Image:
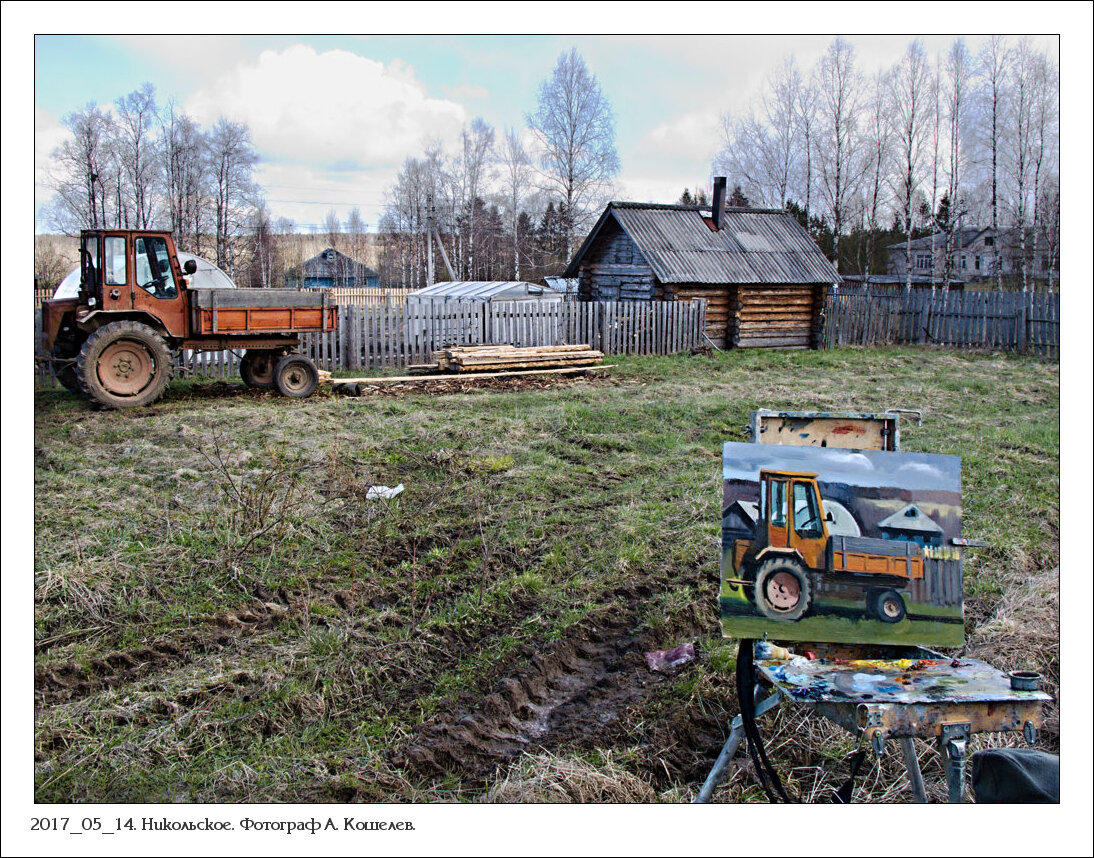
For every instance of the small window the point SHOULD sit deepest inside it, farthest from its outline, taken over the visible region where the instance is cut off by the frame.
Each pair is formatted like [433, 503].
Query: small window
[977, 263]
[115, 260]
[806, 518]
[989, 242]
[923, 261]
[964, 263]
[778, 504]
[153, 266]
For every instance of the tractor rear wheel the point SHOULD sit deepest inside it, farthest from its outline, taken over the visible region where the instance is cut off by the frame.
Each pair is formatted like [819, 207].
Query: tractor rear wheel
[295, 376]
[783, 590]
[124, 364]
[257, 368]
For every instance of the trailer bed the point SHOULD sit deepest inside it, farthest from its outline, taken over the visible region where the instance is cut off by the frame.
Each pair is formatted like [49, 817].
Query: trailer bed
[259, 311]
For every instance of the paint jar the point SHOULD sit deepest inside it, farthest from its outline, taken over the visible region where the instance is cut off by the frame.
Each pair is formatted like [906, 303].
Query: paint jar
[1024, 680]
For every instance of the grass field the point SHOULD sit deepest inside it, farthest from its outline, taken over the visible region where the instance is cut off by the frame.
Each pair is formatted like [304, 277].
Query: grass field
[222, 615]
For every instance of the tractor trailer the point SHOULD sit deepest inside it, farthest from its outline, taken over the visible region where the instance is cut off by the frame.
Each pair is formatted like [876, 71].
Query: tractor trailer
[116, 341]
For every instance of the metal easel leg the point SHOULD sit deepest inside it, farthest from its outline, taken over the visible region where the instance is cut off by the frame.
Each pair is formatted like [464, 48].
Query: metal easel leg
[915, 776]
[953, 743]
[736, 734]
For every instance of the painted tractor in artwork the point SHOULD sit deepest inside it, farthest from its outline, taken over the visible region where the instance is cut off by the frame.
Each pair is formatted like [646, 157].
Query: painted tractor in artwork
[791, 555]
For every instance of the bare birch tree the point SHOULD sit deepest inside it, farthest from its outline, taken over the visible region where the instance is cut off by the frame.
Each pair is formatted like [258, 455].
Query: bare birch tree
[81, 167]
[1045, 140]
[1022, 73]
[136, 117]
[840, 104]
[516, 171]
[993, 64]
[232, 158]
[575, 128]
[909, 116]
[877, 151]
[806, 119]
[185, 173]
[957, 72]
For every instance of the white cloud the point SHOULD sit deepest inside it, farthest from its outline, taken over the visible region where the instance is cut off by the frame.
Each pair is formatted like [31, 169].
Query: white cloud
[328, 108]
[49, 133]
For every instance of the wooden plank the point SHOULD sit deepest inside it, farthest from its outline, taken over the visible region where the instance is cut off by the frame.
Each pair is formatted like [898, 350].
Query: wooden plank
[392, 379]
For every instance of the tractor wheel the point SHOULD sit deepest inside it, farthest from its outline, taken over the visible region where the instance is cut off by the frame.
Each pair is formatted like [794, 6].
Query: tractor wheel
[124, 365]
[295, 376]
[257, 368]
[888, 606]
[783, 590]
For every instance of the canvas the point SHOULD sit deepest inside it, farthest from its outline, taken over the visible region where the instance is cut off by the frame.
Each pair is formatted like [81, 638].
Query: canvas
[845, 546]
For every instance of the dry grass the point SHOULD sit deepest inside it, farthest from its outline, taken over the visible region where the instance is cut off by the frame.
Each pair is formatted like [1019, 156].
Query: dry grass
[544, 777]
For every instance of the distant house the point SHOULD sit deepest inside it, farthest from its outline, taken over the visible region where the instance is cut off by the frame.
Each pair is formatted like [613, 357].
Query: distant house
[911, 524]
[975, 254]
[332, 269]
[763, 277]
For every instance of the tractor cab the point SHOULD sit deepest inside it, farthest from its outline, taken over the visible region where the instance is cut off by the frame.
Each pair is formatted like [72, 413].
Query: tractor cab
[134, 271]
[792, 515]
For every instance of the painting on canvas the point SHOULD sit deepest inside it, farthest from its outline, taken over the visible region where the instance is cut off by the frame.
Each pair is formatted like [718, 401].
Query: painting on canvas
[847, 546]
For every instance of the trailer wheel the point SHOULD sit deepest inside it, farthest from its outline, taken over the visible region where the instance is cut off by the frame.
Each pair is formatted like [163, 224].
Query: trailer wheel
[888, 606]
[257, 368]
[295, 376]
[124, 364]
[783, 590]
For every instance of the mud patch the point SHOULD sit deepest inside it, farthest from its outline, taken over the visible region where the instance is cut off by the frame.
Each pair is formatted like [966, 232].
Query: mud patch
[572, 693]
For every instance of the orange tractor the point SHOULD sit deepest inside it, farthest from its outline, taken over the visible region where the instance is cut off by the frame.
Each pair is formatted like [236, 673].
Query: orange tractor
[791, 554]
[117, 340]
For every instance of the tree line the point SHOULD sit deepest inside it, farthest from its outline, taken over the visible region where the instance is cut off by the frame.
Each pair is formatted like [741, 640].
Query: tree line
[927, 147]
[143, 166]
[508, 206]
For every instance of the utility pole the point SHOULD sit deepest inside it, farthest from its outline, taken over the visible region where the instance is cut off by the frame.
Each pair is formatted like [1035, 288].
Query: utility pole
[429, 231]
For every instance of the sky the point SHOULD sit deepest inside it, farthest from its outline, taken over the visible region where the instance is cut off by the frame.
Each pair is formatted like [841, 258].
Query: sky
[334, 117]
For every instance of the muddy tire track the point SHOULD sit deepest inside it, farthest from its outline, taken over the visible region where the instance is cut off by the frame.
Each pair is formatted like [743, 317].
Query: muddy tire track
[585, 690]
[66, 680]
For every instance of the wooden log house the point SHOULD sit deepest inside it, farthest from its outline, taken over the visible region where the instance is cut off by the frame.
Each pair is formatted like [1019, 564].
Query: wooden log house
[763, 277]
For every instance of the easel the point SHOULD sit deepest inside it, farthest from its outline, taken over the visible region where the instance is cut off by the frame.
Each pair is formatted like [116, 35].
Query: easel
[909, 692]
[979, 699]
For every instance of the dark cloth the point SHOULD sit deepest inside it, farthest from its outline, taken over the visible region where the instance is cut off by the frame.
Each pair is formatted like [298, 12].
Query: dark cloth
[1015, 776]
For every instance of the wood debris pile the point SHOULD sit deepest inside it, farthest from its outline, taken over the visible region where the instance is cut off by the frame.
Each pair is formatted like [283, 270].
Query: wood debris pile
[483, 358]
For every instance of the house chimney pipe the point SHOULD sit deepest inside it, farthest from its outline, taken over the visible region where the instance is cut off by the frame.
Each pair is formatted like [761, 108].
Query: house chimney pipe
[718, 211]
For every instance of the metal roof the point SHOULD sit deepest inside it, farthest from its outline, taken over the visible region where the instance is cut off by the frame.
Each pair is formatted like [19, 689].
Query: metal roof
[753, 246]
[484, 290]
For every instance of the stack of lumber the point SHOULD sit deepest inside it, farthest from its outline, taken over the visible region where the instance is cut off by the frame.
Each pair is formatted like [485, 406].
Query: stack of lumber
[483, 358]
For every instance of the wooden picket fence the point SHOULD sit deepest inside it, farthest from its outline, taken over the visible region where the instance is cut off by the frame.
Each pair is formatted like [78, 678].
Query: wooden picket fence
[373, 337]
[1012, 321]
[365, 297]
[376, 337]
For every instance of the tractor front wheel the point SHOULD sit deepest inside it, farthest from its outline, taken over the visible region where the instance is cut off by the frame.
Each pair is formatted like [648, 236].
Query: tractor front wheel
[124, 364]
[783, 590]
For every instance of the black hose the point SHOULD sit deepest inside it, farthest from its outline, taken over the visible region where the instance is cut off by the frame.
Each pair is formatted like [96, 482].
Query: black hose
[746, 683]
